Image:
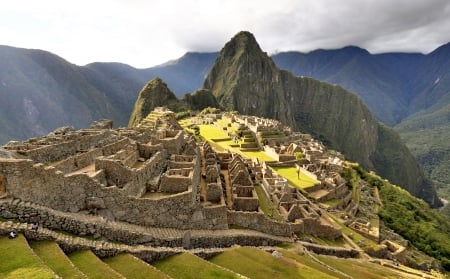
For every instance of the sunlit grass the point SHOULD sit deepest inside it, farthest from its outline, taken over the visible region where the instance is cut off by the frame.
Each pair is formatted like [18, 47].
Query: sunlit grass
[92, 266]
[54, 257]
[132, 267]
[301, 181]
[18, 261]
[266, 205]
[255, 263]
[186, 265]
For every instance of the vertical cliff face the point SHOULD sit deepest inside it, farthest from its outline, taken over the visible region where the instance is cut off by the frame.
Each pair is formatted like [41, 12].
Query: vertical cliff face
[245, 79]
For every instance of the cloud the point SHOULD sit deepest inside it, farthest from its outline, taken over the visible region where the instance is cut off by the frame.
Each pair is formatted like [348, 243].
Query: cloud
[144, 33]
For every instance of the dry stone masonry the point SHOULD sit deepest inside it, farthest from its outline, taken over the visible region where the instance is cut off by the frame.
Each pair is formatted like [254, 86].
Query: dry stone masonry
[154, 176]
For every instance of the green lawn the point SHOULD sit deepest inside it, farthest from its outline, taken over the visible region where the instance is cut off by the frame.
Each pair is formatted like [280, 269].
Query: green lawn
[211, 132]
[359, 269]
[255, 263]
[132, 267]
[54, 257]
[290, 173]
[186, 265]
[18, 261]
[93, 267]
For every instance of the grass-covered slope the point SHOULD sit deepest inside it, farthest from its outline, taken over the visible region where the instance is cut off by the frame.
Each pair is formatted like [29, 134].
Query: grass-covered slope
[132, 267]
[426, 134]
[54, 257]
[426, 228]
[255, 263]
[18, 261]
[93, 267]
[186, 266]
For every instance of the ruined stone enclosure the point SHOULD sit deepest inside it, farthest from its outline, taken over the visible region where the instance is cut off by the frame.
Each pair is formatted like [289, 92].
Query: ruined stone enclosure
[135, 175]
[153, 175]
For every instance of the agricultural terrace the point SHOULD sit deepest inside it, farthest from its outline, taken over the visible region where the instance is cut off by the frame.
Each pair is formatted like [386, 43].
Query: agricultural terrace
[300, 180]
[217, 136]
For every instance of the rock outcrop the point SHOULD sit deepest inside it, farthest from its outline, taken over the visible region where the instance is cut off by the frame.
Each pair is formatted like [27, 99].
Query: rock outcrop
[244, 78]
[154, 94]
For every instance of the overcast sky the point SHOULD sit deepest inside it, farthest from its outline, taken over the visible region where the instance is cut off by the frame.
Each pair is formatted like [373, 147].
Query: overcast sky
[144, 33]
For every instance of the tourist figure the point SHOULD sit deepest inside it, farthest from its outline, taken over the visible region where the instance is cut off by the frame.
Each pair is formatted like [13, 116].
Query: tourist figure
[294, 237]
[12, 235]
[34, 226]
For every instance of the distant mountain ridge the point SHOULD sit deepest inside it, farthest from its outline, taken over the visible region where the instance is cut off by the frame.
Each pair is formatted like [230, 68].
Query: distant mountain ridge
[41, 91]
[245, 79]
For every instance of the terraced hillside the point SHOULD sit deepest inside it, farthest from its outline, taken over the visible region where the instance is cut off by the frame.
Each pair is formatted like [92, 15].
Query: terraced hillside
[45, 259]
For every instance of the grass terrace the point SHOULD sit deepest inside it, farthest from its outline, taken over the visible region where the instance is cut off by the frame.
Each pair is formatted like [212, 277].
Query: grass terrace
[186, 266]
[54, 257]
[290, 173]
[266, 205]
[93, 267]
[18, 261]
[132, 267]
[255, 263]
[217, 137]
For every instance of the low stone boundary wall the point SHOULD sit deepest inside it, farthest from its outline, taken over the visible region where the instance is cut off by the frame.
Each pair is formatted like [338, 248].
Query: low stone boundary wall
[98, 227]
[331, 251]
[258, 221]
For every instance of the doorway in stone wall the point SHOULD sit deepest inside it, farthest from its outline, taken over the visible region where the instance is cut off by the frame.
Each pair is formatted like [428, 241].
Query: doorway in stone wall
[2, 186]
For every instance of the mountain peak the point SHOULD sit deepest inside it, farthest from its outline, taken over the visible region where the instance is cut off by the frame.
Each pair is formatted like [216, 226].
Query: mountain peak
[154, 94]
[242, 42]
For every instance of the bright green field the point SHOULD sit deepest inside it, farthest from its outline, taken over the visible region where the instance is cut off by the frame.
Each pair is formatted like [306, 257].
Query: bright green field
[132, 267]
[18, 261]
[186, 265]
[255, 263]
[290, 173]
[210, 132]
[54, 257]
[93, 267]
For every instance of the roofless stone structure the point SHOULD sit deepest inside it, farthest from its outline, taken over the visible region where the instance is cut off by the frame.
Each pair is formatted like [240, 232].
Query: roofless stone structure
[154, 175]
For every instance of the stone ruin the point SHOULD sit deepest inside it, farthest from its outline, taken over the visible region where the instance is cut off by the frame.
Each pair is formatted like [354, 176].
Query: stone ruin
[244, 194]
[154, 175]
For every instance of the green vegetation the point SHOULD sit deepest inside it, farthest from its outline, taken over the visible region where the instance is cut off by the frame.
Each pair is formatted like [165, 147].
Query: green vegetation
[200, 100]
[359, 269]
[290, 173]
[255, 263]
[54, 257]
[18, 261]
[132, 267]
[216, 135]
[186, 265]
[426, 228]
[266, 205]
[92, 266]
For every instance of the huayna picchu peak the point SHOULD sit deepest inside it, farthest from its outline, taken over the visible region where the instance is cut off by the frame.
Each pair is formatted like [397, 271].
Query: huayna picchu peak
[244, 78]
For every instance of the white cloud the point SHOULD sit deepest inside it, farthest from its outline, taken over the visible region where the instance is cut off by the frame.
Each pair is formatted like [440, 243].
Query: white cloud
[144, 33]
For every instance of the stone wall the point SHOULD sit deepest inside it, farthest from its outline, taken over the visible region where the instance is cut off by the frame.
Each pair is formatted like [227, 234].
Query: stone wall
[176, 180]
[258, 221]
[115, 171]
[315, 227]
[82, 141]
[331, 251]
[79, 161]
[69, 193]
